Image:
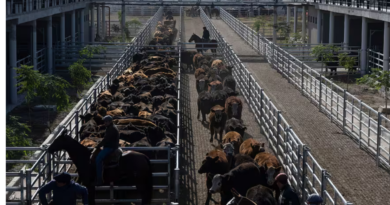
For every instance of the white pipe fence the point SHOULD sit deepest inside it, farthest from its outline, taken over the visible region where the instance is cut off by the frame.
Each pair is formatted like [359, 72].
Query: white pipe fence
[369, 127]
[304, 172]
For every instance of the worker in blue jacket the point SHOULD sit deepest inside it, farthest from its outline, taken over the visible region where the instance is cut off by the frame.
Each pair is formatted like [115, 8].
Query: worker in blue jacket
[65, 191]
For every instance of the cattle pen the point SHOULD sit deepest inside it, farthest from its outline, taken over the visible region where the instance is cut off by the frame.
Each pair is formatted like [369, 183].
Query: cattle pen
[264, 120]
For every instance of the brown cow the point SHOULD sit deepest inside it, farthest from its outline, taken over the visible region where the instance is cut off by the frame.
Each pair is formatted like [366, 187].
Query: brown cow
[251, 147]
[215, 85]
[105, 95]
[217, 119]
[197, 58]
[199, 71]
[117, 112]
[94, 141]
[135, 122]
[214, 163]
[144, 114]
[233, 107]
[271, 164]
[218, 63]
[233, 138]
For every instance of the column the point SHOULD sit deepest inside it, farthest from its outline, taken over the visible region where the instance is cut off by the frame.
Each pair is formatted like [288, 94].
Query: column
[288, 15]
[303, 23]
[331, 27]
[73, 27]
[13, 59]
[295, 18]
[386, 45]
[346, 31]
[319, 27]
[98, 20]
[363, 54]
[63, 34]
[34, 44]
[123, 22]
[92, 33]
[274, 37]
[104, 33]
[81, 26]
[49, 34]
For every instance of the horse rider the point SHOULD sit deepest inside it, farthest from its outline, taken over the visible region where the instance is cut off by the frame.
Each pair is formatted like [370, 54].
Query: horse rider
[287, 195]
[206, 34]
[212, 5]
[314, 199]
[110, 143]
[65, 191]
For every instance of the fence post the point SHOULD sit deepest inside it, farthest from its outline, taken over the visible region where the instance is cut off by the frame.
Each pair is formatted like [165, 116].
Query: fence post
[324, 175]
[21, 176]
[302, 80]
[305, 150]
[108, 79]
[320, 95]
[77, 124]
[344, 110]
[48, 170]
[28, 187]
[378, 139]
[278, 131]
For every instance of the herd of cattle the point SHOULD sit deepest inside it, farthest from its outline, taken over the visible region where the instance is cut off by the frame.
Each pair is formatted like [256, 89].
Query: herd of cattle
[235, 164]
[143, 104]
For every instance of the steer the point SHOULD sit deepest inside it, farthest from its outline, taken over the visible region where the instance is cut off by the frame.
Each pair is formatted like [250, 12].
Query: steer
[235, 124]
[233, 107]
[271, 164]
[233, 138]
[251, 147]
[217, 118]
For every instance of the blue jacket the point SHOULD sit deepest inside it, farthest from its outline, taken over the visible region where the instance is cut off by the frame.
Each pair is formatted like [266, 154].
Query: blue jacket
[65, 195]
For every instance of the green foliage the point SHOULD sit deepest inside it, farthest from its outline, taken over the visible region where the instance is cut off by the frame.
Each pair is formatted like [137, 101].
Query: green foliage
[29, 83]
[377, 79]
[53, 90]
[324, 53]
[116, 28]
[347, 61]
[16, 136]
[284, 28]
[295, 39]
[89, 50]
[79, 74]
[120, 16]
[259, 23]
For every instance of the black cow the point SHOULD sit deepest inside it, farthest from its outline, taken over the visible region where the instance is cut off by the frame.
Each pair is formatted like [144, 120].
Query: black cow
[237, 125]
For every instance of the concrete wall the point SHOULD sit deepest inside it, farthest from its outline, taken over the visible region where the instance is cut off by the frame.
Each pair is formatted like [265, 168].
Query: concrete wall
[312, 25]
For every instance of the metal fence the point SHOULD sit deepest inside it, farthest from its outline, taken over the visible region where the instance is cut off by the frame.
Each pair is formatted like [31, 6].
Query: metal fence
[376, 5]
[45, 165]
[357, 119]
[304, 172]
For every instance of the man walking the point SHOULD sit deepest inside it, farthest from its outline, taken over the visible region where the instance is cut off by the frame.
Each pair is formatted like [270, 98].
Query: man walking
[110, 143]
[65, 191]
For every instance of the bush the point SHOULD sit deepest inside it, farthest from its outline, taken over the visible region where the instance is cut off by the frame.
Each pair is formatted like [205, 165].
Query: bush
[16, 136]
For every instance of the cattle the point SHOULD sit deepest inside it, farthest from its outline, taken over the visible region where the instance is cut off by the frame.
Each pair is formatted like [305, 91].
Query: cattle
[271, 164]
[204, 104]
[215, 85]
[251, 147]
[261, 195]
[116, 112]
[131, 136]
[223, 74]
[94, 141]
[196, 59]
[235, 124]
[241, 178]
[217, 119]
[199, 71]
[201, 82]
[219, 98]
[144, 114]
[233, 107]
[229, 91]
[157, 101]
[135, 122]
[229, 82]
[218, 63]
[187, 58]
[233, 138]
[214, 163]
[242, 158]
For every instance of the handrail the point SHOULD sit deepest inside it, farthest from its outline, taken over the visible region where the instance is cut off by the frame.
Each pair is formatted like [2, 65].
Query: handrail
[357, 119]
[26, 6]
[303, 170]
[383, 6]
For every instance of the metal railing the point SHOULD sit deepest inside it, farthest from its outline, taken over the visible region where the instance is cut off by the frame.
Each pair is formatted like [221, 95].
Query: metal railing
[304, 172]
[374, 59]
[15, 7]
[41, 60]
[376, 5]
[24, 61]
[357, 119]
[44, 162]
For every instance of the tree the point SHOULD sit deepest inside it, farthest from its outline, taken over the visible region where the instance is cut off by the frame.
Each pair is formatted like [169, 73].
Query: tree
[116, 28]
[259, 23]
[347, 62]
[284, 28]
[53, 90]
[377, 79]
[324, 53]
[89, 50]
[133, 23]
[28, 84]
[79, 74]
[16, 136]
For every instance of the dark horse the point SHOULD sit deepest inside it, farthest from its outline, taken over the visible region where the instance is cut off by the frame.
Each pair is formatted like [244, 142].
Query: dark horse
[199, 44]
[134, 168]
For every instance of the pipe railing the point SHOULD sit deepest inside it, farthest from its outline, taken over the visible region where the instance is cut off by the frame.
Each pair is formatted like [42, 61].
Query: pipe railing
[379, 5]
[357, 119]
[14, 7]
[304, 172]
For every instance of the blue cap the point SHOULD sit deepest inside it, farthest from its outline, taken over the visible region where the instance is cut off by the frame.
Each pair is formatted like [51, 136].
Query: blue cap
[64, 177]
[107, 118]
[314, 198]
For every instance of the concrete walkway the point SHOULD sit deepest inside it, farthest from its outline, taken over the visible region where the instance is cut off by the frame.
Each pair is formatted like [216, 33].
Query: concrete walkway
[353, 171]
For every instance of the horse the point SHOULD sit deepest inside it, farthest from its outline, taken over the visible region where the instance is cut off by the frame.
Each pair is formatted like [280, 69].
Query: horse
[134, 168]
[199, 45]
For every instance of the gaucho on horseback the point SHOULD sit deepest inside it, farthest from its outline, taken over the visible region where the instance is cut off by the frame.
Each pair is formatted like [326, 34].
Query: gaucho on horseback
[110, 143]
[206, 34]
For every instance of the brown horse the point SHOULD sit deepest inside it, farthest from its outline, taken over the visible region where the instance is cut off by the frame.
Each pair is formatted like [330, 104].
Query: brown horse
[199, 44]
[134, 168]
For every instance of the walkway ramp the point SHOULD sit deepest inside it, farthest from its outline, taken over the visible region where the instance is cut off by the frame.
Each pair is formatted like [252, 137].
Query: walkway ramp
[353, 171]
